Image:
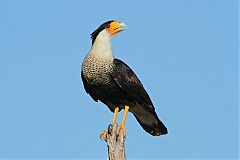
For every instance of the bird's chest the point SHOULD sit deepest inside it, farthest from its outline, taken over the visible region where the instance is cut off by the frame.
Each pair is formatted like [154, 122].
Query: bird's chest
[96, 70]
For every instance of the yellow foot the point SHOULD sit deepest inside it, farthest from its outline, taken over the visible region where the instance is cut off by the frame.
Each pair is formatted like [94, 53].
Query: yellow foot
[121, 126]
[104, 134]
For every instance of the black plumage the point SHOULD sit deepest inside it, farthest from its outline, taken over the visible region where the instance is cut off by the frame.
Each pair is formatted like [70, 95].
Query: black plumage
[123, 89]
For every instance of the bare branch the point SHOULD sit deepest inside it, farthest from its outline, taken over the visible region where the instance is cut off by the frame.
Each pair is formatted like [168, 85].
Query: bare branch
[115, 143]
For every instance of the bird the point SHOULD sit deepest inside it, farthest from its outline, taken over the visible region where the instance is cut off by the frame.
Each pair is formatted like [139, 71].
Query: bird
[112, 82]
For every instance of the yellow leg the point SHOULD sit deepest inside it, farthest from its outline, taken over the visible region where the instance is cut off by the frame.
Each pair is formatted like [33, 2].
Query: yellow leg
[105, 132]
[122, 125]
[115, 115]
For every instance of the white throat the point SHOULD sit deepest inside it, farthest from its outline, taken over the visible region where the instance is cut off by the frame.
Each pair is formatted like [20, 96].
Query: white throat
[102, 45]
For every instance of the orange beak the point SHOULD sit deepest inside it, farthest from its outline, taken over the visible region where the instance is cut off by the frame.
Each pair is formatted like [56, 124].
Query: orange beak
[116, 27]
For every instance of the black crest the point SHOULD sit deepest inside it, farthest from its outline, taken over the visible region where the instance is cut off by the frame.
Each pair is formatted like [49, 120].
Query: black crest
[99, 29]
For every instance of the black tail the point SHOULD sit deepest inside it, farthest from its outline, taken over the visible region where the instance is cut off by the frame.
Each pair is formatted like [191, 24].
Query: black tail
[150, 122]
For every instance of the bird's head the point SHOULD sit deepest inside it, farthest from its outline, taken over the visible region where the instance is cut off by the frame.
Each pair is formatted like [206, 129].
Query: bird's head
[109, 28]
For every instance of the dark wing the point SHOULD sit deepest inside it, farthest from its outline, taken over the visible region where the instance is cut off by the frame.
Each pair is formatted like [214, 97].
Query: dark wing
[127, 80]
[88, 88]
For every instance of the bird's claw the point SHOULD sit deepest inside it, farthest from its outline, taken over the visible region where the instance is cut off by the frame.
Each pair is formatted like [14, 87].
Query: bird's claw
[121, 126]
[103, 135]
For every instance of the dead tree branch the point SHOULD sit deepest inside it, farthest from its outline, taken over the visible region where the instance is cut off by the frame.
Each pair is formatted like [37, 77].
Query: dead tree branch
[115, 144]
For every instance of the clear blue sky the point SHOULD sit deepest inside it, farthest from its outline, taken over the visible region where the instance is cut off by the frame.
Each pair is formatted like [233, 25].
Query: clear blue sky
[185, 53]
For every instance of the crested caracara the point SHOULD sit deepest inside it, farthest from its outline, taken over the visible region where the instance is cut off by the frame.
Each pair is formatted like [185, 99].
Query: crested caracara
[111, 81]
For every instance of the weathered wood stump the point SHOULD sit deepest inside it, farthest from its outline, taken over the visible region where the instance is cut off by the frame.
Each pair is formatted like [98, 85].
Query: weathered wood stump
[115, 143]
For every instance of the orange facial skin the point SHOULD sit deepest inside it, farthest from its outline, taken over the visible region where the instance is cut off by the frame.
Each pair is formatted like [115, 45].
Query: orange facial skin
[116, 27]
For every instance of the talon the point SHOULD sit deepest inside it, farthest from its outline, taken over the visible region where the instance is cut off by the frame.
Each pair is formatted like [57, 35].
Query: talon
[103, 134]
[110, 127]
[121, 126]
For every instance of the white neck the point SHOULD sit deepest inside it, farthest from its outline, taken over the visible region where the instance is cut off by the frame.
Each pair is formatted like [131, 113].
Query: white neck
[102, 45]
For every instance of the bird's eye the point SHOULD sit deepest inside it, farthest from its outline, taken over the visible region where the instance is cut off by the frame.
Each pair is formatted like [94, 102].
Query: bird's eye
[108, 26]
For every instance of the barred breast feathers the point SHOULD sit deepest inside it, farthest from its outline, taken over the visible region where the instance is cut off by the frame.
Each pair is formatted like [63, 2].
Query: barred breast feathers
[98, 63]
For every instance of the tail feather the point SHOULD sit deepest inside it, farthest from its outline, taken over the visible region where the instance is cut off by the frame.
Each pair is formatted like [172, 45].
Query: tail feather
[150, 122]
